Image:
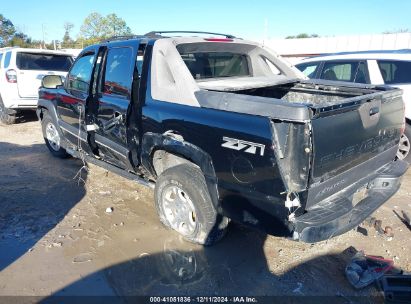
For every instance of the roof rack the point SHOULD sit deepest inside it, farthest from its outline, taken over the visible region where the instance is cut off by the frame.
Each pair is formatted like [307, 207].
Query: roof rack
[124, 37]
[158, 33]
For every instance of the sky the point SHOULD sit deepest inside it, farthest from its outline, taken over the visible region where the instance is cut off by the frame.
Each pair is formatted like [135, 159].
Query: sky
[250, 19]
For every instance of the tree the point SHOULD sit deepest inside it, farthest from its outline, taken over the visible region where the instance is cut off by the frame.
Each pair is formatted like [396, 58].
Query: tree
[115, 26]
[97, 27]
[7, 31]
[303, 35]
[399, 31]
[22, 40]
[67, 41]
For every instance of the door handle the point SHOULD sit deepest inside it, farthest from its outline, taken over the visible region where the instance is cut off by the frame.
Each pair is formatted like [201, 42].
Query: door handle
[118, 117]
[374, 110]
[117, 114]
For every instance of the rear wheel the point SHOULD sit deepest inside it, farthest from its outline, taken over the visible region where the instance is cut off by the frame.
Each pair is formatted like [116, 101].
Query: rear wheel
[184, 204]
[52, 137]
[404, 146]
[5, 117]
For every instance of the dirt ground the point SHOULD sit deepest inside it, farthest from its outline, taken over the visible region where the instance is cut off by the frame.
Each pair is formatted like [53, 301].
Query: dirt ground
[56, 238]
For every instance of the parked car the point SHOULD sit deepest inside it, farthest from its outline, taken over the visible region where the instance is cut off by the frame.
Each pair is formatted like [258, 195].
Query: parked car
[372, 67]
[223, 129]
[21, 73]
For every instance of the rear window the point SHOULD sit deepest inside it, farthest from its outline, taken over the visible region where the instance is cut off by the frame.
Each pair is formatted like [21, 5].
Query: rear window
[47, 62]
[204, 65]
[395, 71]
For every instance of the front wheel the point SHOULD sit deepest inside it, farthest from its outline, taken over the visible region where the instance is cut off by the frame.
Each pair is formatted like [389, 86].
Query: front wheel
[52, 137]
[184, 205]
[404, 146]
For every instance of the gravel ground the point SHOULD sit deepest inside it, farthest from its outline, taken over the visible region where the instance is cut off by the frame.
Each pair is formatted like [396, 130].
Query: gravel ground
[56, 238]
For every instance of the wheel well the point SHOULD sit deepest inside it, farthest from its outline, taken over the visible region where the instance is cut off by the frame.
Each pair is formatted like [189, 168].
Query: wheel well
[163, 160]
[41, 112]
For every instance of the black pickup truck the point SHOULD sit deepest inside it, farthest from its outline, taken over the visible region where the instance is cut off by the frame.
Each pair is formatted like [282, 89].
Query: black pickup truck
[223, 129]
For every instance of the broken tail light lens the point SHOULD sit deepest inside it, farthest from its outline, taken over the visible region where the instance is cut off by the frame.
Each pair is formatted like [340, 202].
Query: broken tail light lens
[11, 76]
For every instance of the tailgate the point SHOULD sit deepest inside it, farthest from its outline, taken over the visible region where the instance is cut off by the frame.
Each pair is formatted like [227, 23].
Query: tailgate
[353, 139]
[32, 67]
[28, 82]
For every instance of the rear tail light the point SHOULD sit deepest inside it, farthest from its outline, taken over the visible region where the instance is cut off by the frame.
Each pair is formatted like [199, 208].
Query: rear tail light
[11, 76]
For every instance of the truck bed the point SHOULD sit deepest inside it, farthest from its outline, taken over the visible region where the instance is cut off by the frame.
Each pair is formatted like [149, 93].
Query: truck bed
[321, 129]
[319, 94]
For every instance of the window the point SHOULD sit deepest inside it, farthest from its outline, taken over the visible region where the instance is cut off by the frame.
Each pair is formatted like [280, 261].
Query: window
[117, 79]
[1, 57]
[139, 64]
[341, 71]
[140, 58]
[309, 69]
[361, 75]
[45, 62]
[395, 71]
[80, 74]
[216, 64]
[7, 60]
[271, 66]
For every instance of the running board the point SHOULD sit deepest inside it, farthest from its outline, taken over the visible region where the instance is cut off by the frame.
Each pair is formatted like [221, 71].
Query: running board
[111, 168]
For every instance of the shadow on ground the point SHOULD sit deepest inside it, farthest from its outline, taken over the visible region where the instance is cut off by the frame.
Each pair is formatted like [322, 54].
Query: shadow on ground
[36, 192]
[238, 265]
[26, 116]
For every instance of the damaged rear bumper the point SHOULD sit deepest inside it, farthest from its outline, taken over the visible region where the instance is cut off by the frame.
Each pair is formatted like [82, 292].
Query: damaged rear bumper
[340, 214]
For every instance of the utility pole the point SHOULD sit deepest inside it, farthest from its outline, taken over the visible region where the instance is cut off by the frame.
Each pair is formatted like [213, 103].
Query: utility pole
[42, 30]
[44, 35]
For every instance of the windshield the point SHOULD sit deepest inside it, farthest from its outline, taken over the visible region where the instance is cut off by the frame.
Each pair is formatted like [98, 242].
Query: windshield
[44, 62]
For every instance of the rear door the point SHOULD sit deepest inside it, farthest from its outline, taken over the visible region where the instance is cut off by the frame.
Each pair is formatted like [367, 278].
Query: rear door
[342, 70]
[397, 73]
[32, 67]
[113, 101]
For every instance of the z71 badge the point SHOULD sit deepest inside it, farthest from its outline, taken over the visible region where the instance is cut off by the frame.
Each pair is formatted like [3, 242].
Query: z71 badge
[246, 146]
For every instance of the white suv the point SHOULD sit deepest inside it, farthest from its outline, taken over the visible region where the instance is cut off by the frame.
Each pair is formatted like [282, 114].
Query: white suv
[373, 67]
[21, 72]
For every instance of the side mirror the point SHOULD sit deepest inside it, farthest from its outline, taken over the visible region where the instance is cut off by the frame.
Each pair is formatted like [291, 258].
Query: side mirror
[51, 81]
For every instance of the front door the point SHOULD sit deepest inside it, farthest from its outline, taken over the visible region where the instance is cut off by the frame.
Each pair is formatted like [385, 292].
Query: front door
[71, 99]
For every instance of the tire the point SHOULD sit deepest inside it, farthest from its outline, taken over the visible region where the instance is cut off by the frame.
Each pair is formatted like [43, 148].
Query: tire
[404, 151]
[5, 118]
[184, 204]
[52, 137]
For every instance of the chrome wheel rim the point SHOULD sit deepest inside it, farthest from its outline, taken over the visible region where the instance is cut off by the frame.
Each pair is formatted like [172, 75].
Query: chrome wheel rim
[178, 210]
[53, 136]
[403, 147]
